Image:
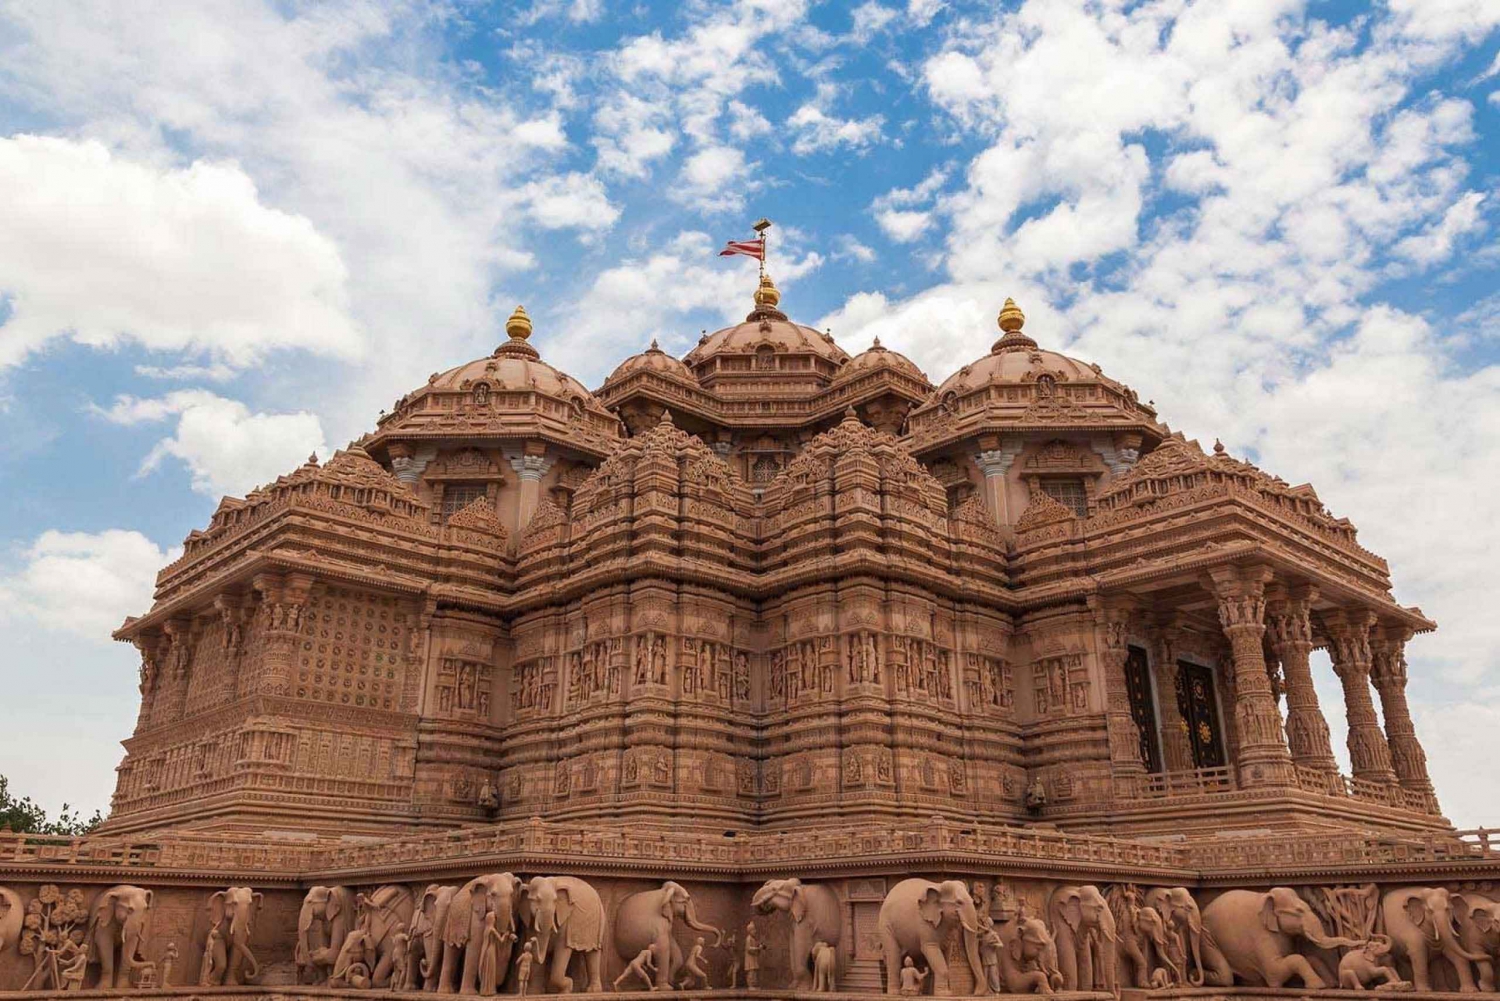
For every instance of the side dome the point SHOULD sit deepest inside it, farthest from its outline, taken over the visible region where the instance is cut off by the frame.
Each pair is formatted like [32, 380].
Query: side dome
[767, 343]
[877, 357]
[653, 360]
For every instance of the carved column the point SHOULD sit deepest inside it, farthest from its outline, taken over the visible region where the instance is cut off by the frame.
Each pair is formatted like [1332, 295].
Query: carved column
[1349, 644]
[1291, 639]
[179, 669]
[993, 461]
[1388, 672]
[1263, 757]
[283, 603]
[1176, 749]
[530, 467]
[1111, 621]
[151, 647]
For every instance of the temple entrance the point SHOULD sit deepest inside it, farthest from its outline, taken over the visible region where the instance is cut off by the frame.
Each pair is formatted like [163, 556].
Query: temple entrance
[1142, 708]
[1199, 703]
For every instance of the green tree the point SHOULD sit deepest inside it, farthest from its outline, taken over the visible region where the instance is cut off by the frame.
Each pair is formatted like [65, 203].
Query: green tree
[25, 817]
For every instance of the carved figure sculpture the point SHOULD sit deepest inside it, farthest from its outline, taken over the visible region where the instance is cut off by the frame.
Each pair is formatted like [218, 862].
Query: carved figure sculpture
[648, 919]
[424, 955]
[523, 965]
[1256, 931]
[1027, 957]
[1366, 967]
[463, 931]
[397, 954]
[1478, 917]
[752, 958]
[1205, 964]
[570, 909]
[328, 915]
[210, 967]
[75, 963]
[1142, 936]
[643, 966]
[352, 961]
[168, 960]
[916, 917]
[911, 978]
[692, 967]
[824, 964]
[1084, 928]
[382, 914]
[1421, 925]
[233, 962]
[816, 917]
[117, 933]
[12, 916]
[492, 941]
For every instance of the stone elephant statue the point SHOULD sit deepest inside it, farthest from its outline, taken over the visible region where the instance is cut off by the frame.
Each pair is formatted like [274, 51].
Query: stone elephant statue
[1257, 931]
[351, 968]
[570, 909]
[328, 915]
[1142, 939]
[383, 914]
[816, 917]
[496, 893]
[424, 943]
[1203, 962]
[232, 963]
[1422, 927]
[916, 918]
[1478, 917]
[1084, 928]
[647, 920]
[1027, 957]
[117, 933]
[12, 917]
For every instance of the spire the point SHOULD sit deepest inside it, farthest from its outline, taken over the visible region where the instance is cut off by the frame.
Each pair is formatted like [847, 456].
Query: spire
[767, 299]
[519, 329]
[1011, 320]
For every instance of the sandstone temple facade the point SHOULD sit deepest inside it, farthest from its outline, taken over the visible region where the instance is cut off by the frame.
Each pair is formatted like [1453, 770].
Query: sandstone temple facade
[768, 628]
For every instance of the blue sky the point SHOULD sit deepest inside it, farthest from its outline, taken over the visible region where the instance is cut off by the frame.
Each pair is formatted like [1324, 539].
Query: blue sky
[230, 232]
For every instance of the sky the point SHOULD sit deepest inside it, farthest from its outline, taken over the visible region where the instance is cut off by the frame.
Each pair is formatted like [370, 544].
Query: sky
[231, 232]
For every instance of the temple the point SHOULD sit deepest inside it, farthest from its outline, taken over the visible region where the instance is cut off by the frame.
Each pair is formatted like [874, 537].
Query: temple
[766, 668]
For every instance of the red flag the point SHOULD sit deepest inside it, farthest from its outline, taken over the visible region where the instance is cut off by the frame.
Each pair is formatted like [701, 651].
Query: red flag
[750, 248]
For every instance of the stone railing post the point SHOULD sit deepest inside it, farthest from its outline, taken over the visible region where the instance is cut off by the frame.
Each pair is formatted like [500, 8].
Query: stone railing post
[1262, 754]
[1176, 744]
[1111, 620]
[1349, 644]
[1388, 673]
[1291, 639]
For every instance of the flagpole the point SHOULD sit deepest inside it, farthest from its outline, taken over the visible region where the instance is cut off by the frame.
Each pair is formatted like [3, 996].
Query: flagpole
[760, 227]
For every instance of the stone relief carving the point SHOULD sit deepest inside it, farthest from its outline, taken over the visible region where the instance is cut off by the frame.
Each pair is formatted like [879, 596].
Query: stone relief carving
[817, 917]
[916, 918]
[327, 917]
[647, 921]
[227, 956]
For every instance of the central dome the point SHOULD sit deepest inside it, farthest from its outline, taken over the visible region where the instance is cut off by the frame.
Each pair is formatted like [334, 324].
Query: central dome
[766, 342]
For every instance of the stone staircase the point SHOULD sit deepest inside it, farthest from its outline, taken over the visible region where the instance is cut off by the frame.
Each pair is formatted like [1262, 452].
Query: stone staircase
[863, 976]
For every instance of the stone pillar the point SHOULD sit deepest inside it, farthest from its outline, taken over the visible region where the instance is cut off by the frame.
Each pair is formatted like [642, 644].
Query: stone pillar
[179, 667]
[993, 461]
[1111, 621]
[1291, 639]
[1388, 672]
[1349, 644]
[1176, 744]
[530, 467]
[407, 463]
[1263, 757]
[283, 604]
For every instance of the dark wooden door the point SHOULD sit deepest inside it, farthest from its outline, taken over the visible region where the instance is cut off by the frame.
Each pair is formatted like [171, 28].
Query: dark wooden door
[1138, 684]
[1200, 708]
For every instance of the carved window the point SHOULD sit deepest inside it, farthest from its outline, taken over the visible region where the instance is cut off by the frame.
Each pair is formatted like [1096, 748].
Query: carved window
[458, 496]
[764, 469]
[1069, 493]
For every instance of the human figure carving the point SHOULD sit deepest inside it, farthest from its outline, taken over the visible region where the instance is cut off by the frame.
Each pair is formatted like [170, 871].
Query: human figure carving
[523, 965]
[752, 958]
[734, 961]
[168, 960]
[693, 966]
[911, 978]
[643, 966]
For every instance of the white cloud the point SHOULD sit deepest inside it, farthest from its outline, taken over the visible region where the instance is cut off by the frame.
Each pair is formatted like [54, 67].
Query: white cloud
[869, 19]
[227, 448]
[921, 12]
[1435, 243]
[851, 249]
[631, 133]
[101, 249]
[82, 583]
[715, 179]
[745, 123]
[814, 131]
[900, 212]
[903, 226]
[570, 201]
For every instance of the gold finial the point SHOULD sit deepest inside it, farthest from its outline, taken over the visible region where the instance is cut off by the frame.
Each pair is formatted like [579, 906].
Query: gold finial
[1011, 318]
[519, 324]
[767, 295]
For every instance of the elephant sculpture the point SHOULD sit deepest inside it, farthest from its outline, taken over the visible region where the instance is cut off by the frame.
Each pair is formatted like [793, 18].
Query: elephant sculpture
[816, 917]
[1203, 963]
[1084, 927]
[463, 929]
[648, 920]
[12, 916]
[351, 968]
[570, 909]
[382, 915]
[232, 962]
[1027, 957]
[1257, 931]
[1366, 967]
[1142, 938]
[117, 933]
[1422, 927]
[424, 944]
[1478, 917]
[328, 915]
[916, 918]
